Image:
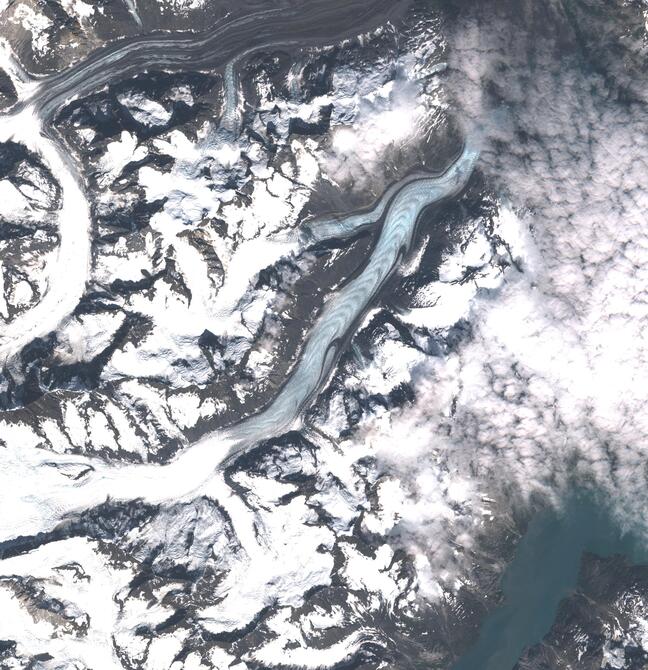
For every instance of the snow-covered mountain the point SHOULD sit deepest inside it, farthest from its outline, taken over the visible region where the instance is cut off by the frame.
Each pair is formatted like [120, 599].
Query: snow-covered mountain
[305, 311]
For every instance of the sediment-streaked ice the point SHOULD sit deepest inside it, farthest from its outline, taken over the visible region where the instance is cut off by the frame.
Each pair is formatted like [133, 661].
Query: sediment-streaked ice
[58, 495]
[68, 274]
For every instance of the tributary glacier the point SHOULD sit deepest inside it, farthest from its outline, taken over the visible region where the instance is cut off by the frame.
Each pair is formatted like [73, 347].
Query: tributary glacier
[323, 335]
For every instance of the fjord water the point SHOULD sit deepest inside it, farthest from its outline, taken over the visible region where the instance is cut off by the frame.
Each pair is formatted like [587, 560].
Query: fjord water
[543, 572]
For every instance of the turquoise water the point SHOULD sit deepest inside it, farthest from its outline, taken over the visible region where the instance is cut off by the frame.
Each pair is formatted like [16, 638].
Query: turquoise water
[544, 571]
